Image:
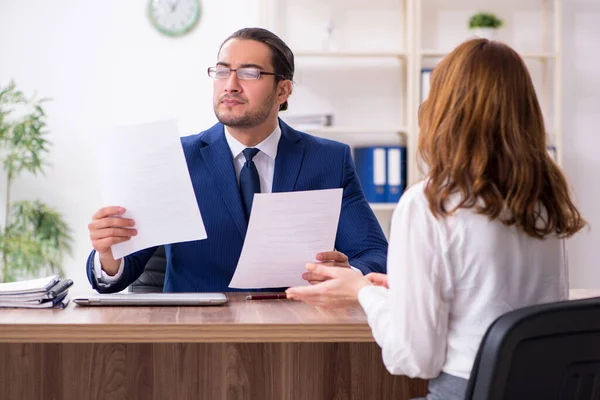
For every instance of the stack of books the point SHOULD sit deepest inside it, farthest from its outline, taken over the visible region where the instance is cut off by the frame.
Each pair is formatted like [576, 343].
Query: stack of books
[50, 292]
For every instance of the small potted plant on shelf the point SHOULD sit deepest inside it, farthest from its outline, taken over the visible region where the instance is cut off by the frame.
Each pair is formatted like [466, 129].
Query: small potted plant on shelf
[484, 25]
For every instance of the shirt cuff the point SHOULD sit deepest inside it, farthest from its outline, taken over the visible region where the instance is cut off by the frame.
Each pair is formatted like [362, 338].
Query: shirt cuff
[356, 269]
[102, 277]
[371, 296]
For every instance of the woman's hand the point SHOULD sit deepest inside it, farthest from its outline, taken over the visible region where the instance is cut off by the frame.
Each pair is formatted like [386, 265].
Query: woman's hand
[378, 279]
[340, 289]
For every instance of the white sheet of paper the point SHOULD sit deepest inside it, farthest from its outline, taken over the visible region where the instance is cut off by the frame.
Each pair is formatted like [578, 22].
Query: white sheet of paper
[143, 168]
[285, 232]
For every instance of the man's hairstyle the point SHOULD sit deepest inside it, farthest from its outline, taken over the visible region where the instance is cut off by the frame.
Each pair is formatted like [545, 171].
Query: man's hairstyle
[483, 137]
[282, 57]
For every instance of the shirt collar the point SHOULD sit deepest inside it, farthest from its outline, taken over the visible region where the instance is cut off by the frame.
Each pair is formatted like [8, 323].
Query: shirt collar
[267, 146]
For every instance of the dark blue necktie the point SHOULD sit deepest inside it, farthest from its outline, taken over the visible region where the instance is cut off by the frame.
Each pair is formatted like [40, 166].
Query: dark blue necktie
[249, 181]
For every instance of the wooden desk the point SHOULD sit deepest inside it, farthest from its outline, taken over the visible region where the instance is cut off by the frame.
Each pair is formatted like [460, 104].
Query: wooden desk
[268, 349]
[272, 349]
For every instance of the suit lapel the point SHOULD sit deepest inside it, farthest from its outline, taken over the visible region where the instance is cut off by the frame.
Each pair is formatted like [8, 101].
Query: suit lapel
[290, 153]
[220, 164]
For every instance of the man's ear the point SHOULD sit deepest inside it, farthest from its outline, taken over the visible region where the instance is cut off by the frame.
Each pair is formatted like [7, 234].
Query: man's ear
[284, 90]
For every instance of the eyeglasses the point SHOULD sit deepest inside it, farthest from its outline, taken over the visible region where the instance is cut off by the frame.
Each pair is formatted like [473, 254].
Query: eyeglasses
[246, 74]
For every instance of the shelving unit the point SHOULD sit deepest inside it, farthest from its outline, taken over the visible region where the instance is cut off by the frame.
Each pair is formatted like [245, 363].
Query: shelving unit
[348, 54]
[548, 56]
[432, 53]
[395, 61]
[350, 130]
[409, 57]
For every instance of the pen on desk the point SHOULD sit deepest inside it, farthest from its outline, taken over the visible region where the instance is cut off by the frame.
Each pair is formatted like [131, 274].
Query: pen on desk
[266, 296]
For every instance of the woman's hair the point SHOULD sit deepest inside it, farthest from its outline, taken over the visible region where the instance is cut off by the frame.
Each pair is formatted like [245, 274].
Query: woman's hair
[483, 137]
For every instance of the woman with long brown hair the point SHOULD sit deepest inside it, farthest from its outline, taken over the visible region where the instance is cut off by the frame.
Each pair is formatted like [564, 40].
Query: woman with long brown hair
[482, 235]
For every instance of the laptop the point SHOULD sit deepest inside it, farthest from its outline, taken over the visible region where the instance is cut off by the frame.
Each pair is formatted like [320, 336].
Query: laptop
[151, 299]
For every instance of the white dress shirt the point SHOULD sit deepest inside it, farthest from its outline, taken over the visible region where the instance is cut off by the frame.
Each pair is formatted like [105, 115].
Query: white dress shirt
[265, 164]
[449, 279]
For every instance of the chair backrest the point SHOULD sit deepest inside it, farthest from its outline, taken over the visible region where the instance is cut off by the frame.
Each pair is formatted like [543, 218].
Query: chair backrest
[153, 277]
[549, 351]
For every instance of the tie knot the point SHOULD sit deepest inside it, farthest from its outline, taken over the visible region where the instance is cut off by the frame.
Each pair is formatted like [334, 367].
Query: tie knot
[249, 153]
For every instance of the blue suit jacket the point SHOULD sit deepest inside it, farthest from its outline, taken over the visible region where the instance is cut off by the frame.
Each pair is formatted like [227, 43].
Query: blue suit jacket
[303, 162]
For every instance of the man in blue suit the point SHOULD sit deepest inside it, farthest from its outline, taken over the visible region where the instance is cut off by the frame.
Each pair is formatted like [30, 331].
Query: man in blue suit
[250, 150]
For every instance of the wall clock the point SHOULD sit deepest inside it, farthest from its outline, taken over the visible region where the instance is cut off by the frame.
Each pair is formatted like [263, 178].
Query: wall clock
[174, 17]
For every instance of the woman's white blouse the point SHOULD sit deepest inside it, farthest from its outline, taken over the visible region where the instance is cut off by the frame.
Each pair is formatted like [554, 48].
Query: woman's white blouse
[449, 279]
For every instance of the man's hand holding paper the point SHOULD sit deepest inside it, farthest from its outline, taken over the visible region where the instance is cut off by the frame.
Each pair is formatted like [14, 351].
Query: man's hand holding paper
[107, 229]
[330, 259]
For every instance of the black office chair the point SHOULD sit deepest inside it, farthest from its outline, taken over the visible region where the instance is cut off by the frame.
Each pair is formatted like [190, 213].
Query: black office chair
[153, 277]
[547, 352]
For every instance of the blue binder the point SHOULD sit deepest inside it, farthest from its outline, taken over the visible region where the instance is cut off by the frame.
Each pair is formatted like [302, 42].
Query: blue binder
[396, 173]
[371, 169]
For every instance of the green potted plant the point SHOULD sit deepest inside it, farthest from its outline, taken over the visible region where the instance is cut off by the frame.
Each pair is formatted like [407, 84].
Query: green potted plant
[484, 25]
[33, 237]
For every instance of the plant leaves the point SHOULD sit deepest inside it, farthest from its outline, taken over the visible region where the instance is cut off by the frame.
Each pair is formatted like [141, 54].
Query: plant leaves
[22, 139]
[37, 238]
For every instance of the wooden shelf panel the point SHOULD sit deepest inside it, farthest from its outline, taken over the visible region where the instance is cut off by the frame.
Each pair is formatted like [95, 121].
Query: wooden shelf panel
[435, 53]
[349, 54]
[383, 206]
[354, 130]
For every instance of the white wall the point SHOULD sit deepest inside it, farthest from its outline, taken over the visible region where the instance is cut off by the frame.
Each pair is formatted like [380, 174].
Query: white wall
[581, 125]
[103, 64]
